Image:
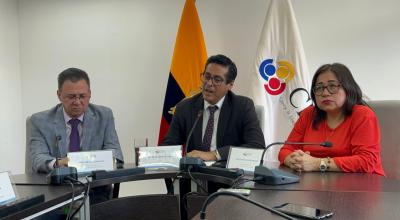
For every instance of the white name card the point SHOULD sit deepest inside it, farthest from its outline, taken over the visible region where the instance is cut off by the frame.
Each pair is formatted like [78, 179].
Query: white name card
[87, 161]
[244, 158]
[6, 190]
[162, 156]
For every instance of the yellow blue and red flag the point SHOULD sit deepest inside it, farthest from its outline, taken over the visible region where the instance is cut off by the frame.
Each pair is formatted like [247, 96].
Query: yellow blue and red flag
[282, 79]
[187, 64]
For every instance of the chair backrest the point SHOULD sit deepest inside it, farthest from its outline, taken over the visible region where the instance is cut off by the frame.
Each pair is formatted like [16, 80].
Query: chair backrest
[260, 115]
[138, 207]
[28, 161]
[388, 114]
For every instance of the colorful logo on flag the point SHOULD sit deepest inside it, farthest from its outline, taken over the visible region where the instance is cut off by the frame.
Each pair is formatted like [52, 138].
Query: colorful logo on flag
[276, 77]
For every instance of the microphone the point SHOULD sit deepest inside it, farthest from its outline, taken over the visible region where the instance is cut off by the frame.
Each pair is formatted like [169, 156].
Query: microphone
[199, 114]
[58, 139]
[193, 163]
[57, 148]
[59, 175]
[323, 144]
[227, 193]
[273, 176]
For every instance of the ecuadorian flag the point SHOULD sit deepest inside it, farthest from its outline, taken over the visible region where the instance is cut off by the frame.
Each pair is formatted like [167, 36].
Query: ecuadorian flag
[188, 62]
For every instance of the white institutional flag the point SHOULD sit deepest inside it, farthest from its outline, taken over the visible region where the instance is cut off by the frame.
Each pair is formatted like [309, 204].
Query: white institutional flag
[281, 80]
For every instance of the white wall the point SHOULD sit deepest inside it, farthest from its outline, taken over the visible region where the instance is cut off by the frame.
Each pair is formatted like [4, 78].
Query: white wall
[12, 133]
[363, 34]
[126, 47]
[121, 44]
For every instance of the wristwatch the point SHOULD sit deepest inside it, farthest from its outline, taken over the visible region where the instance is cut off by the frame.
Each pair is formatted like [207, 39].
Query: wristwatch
[216, 153]
[322, 165]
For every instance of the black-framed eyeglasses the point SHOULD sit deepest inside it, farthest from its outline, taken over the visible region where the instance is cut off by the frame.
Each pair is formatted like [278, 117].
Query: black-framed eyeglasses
[332, 88]
[216, 80]
[73, 97]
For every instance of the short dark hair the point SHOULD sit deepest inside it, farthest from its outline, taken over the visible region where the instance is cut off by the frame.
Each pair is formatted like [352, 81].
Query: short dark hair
[74, 75]
[226, 62]
[346, 79]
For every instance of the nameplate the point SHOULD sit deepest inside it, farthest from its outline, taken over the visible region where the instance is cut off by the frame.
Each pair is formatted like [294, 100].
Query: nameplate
[161, 156]
[6, 190]
[87, 161]
[244, 158]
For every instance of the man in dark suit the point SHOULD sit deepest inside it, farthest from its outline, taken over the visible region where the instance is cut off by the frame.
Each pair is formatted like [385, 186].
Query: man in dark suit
[225, 119]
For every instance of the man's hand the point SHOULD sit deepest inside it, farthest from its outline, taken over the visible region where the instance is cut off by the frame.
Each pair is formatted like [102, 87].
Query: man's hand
[62, 162]
[207, 156]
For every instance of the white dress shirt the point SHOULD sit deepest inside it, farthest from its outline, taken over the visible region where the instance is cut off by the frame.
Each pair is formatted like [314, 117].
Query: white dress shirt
[206, 116]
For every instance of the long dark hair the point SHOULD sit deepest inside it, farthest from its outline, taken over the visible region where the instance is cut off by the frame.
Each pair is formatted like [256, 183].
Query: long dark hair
[353, 91]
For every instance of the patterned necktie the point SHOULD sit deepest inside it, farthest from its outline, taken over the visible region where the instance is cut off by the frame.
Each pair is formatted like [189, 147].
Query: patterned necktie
[74, 139]
[209, 129]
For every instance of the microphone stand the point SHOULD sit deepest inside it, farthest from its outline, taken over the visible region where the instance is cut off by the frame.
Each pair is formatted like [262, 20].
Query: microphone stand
[273, 176]
[193, 163]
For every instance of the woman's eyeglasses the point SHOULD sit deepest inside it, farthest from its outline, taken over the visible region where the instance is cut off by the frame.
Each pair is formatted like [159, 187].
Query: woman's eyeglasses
[332, 88]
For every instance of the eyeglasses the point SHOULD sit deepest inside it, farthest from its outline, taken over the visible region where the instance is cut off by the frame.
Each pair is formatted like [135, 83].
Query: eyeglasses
[73, 97]
[332, 88]
[216, 80]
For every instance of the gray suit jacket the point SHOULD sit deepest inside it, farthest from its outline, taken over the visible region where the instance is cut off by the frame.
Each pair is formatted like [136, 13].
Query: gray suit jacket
[48, 135]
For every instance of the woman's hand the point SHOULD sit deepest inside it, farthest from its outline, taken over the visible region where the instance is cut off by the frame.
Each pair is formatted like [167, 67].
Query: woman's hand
[308, 162]
[302, 161]
[293, 160]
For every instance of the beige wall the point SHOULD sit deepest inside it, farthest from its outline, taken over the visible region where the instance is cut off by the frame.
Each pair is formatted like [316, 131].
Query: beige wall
[12, 133]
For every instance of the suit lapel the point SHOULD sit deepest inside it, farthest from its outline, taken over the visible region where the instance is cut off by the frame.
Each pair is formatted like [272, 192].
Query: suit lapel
[223, 120]
[60, 133]
[87, 128]
[197, 137]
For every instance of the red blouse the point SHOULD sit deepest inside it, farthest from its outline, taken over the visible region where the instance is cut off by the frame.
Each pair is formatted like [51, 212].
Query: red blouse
[355, 142]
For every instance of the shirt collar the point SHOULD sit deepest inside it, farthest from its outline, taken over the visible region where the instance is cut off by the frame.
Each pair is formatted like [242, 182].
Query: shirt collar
[67, 118]
[219, 103]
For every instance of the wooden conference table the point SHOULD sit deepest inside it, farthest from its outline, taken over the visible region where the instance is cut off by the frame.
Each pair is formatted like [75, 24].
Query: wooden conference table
[344, 204]
[55, 197]
[348, 195]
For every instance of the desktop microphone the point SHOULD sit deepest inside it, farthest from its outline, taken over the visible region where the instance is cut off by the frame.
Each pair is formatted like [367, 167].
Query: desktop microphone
[323, 144]
[273, 176]
[213, 196]
[61, 175]
[193, 163]
[58, 139]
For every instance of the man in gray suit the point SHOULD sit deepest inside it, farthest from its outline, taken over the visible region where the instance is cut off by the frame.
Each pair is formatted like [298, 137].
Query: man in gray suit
[73, 125]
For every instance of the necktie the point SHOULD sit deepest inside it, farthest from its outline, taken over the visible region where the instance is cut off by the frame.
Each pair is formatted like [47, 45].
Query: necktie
[209, 129]
[74, 139]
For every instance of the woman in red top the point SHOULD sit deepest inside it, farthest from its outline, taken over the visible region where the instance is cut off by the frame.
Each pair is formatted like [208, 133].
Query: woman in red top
[341, 117]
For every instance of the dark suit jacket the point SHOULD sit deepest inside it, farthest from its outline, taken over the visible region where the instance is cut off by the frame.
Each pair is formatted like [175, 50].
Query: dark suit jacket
[98, 134]
[238, 124]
